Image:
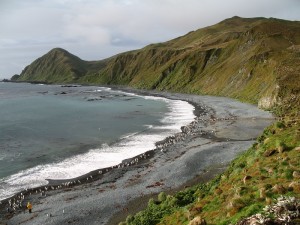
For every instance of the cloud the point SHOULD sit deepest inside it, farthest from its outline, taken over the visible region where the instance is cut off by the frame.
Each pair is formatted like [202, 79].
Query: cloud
[94, 29]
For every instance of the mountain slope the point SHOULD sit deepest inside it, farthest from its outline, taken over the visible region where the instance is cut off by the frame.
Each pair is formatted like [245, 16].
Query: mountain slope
[250, 59]
[234, 58]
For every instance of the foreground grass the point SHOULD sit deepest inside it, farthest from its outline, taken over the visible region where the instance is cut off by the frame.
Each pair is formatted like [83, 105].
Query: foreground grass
[269, 169]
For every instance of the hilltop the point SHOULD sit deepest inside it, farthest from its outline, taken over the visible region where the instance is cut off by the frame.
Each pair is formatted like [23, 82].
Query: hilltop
[58, 65]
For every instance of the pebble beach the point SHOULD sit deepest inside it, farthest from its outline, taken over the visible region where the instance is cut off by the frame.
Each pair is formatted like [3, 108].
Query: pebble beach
[222, 129]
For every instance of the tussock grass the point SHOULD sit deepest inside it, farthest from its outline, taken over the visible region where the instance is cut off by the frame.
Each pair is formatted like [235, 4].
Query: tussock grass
[230, 197]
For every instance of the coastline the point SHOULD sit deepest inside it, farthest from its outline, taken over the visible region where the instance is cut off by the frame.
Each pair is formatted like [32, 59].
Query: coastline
[210, 142]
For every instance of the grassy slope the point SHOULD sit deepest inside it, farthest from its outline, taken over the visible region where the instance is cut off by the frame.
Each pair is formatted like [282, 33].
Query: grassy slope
[239, 58]
[269, 166]
[59, 66]
[229, 198]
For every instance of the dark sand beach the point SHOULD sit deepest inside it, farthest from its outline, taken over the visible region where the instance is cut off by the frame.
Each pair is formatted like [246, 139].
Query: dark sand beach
[222, 129]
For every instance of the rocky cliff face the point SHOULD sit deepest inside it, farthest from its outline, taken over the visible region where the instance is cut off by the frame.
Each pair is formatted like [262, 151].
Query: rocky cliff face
[241, 58]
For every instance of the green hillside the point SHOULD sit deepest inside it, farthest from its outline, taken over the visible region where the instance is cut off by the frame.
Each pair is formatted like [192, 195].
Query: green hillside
[259, 177]
[238, 57]
[248, 59]
[254, 60]
[58, 66]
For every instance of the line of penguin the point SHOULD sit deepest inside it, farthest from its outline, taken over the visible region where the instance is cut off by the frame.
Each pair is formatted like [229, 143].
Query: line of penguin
[17, 202]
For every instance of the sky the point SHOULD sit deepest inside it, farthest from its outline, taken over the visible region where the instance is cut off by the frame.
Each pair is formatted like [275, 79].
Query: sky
[97, 29]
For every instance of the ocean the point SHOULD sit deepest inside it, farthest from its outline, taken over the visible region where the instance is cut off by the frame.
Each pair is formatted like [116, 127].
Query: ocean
[62, 132]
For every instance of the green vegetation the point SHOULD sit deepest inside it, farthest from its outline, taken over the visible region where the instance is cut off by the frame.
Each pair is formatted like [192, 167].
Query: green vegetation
[252, 181]
[254, 60]
[248, 59]
[57, 66]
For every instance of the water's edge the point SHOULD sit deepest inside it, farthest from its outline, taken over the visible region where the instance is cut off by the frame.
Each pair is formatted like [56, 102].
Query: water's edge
[136, 160]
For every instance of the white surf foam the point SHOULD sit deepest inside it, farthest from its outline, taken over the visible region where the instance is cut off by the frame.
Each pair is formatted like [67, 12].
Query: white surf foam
[99, 89]
[181, 113]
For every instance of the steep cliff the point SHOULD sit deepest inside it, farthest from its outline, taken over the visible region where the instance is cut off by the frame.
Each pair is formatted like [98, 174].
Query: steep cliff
[255, 60]
[248, 59]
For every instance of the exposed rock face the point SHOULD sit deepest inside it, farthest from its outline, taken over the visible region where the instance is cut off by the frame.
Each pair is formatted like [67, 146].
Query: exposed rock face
[197, 221]
[284, 212]
[267, 102]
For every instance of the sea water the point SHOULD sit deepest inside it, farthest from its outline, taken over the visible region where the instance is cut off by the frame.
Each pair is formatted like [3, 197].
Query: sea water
[61, 132]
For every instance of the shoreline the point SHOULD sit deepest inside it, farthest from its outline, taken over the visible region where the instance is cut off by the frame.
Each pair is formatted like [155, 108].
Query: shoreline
[86, 173]
[112, 179]
[68, 182]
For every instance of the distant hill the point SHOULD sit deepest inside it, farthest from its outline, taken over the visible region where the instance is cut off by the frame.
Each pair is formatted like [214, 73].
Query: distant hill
[58, 65]
[252, 59]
